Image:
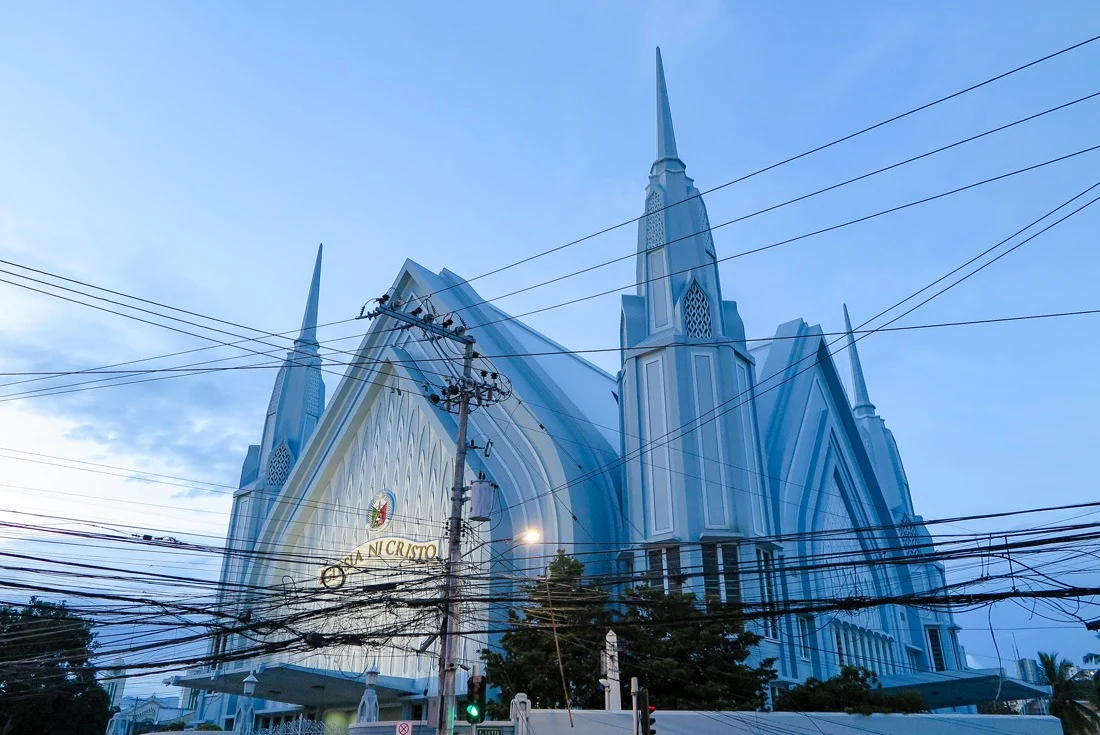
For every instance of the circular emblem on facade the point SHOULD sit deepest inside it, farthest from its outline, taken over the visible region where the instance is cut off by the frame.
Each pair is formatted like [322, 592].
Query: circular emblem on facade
[380, 511]
[333, 577]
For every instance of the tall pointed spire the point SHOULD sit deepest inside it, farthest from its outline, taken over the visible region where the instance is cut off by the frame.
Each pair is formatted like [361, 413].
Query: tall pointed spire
[666, 136]
[308, 335]
[861, 402]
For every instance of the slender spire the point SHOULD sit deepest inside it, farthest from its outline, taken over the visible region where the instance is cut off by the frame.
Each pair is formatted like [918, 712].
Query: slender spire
[861, 403]
[666, 137]
[308, 335]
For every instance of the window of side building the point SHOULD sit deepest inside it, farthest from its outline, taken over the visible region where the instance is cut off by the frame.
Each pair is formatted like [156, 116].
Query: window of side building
[765, 570]
[664, 569]
[935, 648]
[721, 573]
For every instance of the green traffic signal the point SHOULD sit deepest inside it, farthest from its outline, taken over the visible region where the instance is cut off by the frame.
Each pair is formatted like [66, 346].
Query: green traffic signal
[475, 700]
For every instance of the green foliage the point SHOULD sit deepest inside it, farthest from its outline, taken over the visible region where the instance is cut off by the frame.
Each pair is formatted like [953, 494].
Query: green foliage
[173, 727]
[1077, 719]
[685, 658]
[855, 691]
[528, 661]
[689, 658]
[47, 683]
[208, 727]
[996, 708]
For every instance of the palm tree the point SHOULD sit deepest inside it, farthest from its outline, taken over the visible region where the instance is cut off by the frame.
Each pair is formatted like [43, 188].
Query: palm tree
[1077, 719]
[1094, 658]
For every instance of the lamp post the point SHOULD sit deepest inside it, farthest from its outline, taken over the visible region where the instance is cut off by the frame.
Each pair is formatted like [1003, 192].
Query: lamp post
[244, 720]
[368, 705]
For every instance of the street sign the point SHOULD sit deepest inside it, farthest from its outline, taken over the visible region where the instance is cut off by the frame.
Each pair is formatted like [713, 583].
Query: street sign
[482, 730]
[404, 728]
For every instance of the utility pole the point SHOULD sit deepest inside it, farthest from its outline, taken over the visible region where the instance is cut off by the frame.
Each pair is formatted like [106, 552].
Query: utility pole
[449, 641]
[456, 398]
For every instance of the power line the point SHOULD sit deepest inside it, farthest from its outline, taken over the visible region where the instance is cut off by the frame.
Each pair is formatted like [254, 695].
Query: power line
[790, 159]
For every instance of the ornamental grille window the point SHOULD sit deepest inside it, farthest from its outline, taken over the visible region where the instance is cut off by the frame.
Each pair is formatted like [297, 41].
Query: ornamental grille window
[696, 313]
[910, 538]
[654, 221]
[701, 213]
[721, 575]
[277, 391]
[278, 467]
[313, 394]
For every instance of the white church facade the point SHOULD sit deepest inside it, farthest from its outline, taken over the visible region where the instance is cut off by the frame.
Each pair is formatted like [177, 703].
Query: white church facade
[745, 474]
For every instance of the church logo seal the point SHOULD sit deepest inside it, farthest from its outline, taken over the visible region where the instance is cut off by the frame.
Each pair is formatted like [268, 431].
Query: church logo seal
[380, 511]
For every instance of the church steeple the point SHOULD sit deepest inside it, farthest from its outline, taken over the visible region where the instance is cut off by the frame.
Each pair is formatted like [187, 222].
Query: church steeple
[677, 264]
[861, 403]
[297, 401]
[877, 439]
[666, 136]
[308, 336]
[684, 358]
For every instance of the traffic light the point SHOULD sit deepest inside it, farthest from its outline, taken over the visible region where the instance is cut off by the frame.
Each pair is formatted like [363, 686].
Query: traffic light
[647, 723]
[475, 700]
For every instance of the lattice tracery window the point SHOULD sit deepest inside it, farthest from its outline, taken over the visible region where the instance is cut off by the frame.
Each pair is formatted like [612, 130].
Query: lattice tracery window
[277, 391]
[313, 394]
[654, 221]
[704, 222]
[696, 313]
[278, 467]
[910, 538]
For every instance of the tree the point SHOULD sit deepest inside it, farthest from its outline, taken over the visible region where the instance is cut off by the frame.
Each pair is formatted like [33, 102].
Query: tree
[1077, 719]
[1093, 658]
[527, 660]
[687, 657]
[996, 708]
[855, 690]
[47, 682]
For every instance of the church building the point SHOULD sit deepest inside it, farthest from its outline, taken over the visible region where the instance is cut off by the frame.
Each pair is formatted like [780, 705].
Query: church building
[754, 474]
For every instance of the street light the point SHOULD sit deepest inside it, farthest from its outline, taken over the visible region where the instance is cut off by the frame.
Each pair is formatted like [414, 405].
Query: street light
[368, 703]
[250, 683]
[530, 536]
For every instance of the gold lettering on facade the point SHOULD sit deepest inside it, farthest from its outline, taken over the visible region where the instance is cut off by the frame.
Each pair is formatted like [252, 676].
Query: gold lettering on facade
[379, 551]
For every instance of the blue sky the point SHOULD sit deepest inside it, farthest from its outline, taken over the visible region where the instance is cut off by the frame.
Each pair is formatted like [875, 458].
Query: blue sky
[197, 153]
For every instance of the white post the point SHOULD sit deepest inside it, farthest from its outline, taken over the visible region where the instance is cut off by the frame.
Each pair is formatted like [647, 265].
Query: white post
[634, 705]
[520, 714]
[612, 693]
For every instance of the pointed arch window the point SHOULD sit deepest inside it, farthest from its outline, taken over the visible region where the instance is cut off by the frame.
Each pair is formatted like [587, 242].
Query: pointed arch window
[278, 467]
[696, 308]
